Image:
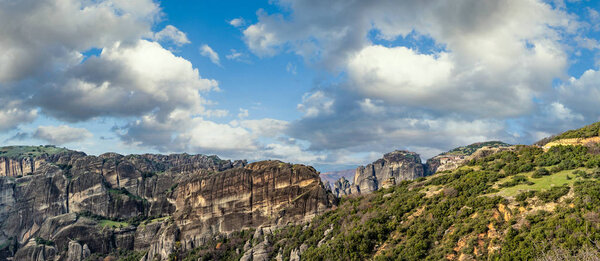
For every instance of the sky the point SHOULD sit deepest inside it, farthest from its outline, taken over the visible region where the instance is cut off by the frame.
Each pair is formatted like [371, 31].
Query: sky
[334, 84]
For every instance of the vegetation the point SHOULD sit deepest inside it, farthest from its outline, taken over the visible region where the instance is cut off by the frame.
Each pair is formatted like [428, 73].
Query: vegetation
[588, 131]
[470, 149]
[112, 224]
[512, 205]
[18, 152]
[42, 241]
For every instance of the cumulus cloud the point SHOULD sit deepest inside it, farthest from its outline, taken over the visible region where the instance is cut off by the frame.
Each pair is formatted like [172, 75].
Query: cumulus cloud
[34, 53]
[62, 134]
[251, 139]
[582, 94]
[206, 51]
[172, 34]
[28, 46]
[126, 80]
[501, 53]
[489, 64]
[12, 114]
[356, 129]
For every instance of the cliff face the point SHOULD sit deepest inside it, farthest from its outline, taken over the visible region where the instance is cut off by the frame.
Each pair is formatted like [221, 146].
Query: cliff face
[72, 205]
[392, 168]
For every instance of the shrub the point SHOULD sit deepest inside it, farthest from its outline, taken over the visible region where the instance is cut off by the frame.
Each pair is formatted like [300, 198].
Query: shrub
[540, 172]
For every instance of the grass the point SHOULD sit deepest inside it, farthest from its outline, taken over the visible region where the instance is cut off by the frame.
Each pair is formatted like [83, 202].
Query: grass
[113, 224]
[29, 151]
[160, 219]
[543, 183]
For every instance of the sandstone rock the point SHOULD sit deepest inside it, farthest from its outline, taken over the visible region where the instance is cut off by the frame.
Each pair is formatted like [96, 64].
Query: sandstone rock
[342, 187]
[75, 252]
[68, 194]
[35, 252]
[260, 194]
[397, 165]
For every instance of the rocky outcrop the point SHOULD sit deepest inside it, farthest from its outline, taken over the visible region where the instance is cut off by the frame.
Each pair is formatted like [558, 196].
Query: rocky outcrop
[76, 252]
[445, 162]
[392, 168]
[72, 205]
[343, 187]
[455, 158]
[261, 194]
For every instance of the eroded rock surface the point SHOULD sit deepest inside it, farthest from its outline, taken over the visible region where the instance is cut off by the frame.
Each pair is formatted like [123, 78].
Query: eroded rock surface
[70, 206]
[392, 168]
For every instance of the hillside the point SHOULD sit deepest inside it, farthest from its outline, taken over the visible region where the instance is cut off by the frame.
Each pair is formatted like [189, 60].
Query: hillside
[512, 205]
[592, 130]
[456, 157]
[588, 136]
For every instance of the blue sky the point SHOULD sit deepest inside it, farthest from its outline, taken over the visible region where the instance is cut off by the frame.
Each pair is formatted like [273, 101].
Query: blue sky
[333, 84]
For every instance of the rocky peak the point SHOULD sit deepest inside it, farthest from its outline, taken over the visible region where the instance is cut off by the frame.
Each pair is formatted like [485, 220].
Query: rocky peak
[392, 168]
[342, 187]
[402, 156]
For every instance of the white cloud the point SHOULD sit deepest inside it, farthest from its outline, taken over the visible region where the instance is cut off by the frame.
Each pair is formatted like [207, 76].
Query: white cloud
[315, 104]
[206, 51]
[127, 80]
[581, 95]
[243, 113]
[399, 74]
[265, 127]
[180, 131]
[171, 33]
[234, 55]
[503, 53]
[370, 106]
[69, 27]
[62, 134]
[13, 115]
[261, 41]
[563, 113]
[237, 22]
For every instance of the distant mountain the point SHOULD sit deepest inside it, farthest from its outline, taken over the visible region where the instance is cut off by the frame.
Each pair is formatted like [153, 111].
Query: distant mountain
[333, 176]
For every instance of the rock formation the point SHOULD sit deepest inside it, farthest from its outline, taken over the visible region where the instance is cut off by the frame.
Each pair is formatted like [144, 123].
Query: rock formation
[69, 205]
[392, 168]
[454, 158]
[342, 187]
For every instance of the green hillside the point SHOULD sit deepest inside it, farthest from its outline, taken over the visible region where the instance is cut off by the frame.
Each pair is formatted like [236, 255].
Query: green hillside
[29, 151]
[588, 131]
[514, 205]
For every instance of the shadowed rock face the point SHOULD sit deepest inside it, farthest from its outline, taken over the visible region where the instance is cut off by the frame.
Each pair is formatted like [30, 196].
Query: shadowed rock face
[392, 168]
[68, 198]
